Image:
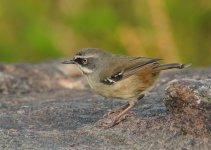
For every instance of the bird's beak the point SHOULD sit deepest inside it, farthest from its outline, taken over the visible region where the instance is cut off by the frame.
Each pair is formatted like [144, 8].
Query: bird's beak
[70, 61]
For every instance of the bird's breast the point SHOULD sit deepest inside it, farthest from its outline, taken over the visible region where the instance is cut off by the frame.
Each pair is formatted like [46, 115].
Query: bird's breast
[131, 87]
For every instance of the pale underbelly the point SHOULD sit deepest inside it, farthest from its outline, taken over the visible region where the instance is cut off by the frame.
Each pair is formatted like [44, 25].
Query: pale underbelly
[129, 88]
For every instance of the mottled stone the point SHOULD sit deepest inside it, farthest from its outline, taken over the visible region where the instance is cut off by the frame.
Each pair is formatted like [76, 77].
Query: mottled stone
[50, 106]
[189, 105]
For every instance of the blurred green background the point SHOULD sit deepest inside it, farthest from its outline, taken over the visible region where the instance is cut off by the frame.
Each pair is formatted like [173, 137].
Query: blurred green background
[36, 30]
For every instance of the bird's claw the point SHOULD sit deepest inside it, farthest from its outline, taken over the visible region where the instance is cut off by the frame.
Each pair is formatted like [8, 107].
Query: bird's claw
[110, 122]
[115, 111]
[110, 113]
[106, 123]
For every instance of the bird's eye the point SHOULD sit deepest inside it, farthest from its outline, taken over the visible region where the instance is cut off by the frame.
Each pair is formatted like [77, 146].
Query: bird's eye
[81, 61]
[84, 61]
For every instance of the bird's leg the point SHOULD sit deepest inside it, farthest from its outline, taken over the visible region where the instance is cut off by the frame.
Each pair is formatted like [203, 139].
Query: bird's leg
[121, 115]
[120, 109]
[117, 119]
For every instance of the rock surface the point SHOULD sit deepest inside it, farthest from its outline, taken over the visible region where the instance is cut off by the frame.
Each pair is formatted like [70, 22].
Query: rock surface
[189, 105]
[50, 106]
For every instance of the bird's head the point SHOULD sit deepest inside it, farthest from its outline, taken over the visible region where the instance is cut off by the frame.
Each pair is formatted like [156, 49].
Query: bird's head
[88, 60]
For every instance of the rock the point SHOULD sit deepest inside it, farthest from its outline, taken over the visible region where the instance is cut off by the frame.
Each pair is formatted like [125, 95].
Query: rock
[189, 104]
[32, 78]
[46, 106]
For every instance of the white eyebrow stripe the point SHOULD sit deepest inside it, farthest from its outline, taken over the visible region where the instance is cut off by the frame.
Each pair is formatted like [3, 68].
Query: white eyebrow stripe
[87, 56]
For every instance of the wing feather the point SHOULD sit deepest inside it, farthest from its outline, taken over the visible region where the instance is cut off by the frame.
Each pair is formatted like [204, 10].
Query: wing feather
[123, 67]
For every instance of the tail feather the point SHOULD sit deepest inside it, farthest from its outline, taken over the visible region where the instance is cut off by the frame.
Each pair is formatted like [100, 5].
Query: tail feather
[171, 66]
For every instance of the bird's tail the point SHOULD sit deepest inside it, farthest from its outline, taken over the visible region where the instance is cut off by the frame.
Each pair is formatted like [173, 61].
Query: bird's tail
[170, 66]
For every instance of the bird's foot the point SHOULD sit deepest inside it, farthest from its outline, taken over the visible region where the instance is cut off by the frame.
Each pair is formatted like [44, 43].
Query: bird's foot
[111, 113]
[115, 111]
[116, 117]
[110, 121]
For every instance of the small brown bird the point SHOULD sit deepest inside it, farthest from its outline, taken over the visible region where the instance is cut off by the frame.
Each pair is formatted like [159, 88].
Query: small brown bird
[119, 76]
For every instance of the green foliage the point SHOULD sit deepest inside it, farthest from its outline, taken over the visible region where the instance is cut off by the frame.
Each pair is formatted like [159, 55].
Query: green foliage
[192, 29]
[94, 20]
[39, 30]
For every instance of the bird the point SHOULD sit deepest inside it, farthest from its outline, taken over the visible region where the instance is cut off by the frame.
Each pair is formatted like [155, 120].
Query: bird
[119, 76]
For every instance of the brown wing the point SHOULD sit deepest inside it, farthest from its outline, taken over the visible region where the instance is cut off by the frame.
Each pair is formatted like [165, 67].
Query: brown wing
[124, 66]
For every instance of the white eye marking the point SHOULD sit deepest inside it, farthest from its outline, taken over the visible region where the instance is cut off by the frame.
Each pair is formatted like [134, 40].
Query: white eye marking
[86, 56]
